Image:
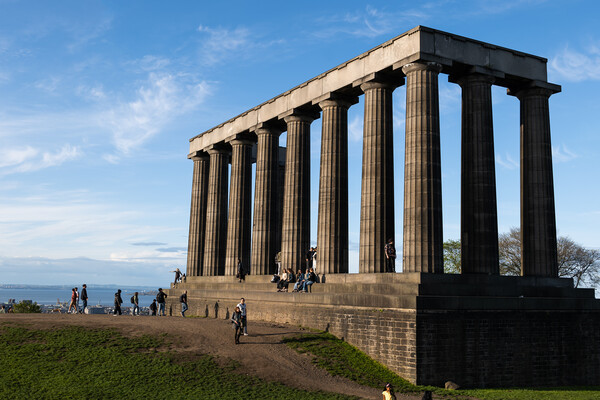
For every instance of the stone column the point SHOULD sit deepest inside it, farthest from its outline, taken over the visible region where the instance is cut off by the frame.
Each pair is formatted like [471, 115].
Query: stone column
[295, 233]
[216, 212]
[238, 227]
[479, 215]
[196, 236]
[332, 227]
[538, 220]
[265, 202]
[281, 183]
[422, 249]
[377, 191]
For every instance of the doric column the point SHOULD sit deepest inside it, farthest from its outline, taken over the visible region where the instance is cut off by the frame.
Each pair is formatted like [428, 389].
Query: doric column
[538, 220]
[295, 233]
[265, 202]
[238, 227]
[377, 190]
[479, 215]
[423, 243]
[195, 255]
[332, 227]
[216, 212]
[281, 183]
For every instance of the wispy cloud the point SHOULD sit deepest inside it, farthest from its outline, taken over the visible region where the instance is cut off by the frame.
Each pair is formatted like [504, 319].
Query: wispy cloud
[562, 154]
[26, 159]
[507, 162]
[148, 244]
[576, 65]
[163, 98]
[355, 129]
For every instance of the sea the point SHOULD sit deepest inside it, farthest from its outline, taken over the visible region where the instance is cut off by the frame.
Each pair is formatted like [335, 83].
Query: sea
[51, 295]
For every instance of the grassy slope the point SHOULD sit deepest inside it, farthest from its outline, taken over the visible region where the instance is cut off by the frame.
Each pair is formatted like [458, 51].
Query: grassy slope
[78, 363]
[340, 358]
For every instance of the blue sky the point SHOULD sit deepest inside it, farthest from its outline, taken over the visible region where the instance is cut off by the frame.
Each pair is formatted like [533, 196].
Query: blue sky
[99, 99]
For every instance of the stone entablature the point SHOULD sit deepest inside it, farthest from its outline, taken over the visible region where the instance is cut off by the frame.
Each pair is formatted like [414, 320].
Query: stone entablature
[454, 53]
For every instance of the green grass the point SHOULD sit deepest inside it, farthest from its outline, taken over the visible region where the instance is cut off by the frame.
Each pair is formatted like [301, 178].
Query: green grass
[79, 363]
[340, 358]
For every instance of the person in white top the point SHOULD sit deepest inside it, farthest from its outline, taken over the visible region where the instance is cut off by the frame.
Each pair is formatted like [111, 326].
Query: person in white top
[242, 306]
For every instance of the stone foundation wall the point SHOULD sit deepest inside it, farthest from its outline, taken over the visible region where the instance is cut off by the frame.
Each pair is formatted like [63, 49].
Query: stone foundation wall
[388, 336]
[508, 348]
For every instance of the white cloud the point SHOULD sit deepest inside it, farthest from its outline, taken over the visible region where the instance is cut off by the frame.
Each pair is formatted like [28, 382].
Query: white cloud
[163, 98]
[576, 66]
[355, 129]
[26, 159]
[562, 154]
[508, 163]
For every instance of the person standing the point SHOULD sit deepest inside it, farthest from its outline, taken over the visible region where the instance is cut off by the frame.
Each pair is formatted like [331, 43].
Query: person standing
[388, 392]
[118, 302]
[161, 299]
[241, 273]
[135, 300]
[309, 259]
[390, 256]
[84, 298]
[314, 259]
[236, 320]
[73, 303]
[76, 300]
[242, 306]
[153, 307]
[183, 301]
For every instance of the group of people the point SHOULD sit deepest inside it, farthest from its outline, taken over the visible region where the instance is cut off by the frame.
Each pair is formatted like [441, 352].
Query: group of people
[179, 276]
[302, 280]
[75, 297]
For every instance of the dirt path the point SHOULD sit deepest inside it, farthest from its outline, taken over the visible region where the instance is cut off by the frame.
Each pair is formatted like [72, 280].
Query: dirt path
[262, 353]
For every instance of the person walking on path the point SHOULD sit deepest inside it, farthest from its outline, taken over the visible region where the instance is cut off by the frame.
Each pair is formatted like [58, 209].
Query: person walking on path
[183, 301]
[118, 302]
[390, 256]
[161, 299]
[135, 300]
[84, 298]
[236, 320]
[153, 307]
[73, 303]
[241, 273]
[242, 306]
[177, 275]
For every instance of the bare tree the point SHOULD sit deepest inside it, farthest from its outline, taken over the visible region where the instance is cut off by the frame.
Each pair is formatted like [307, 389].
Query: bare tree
[574, 260]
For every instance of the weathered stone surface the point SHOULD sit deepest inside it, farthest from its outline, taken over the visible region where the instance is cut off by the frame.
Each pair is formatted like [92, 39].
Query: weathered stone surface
[377, 189]
[240, 203]
[295, 233]
[449, 385]
[422, 248]
[332, 229]
[479, 215]
[264, 232]
[538, 218]
[216, 212]
[195, 256]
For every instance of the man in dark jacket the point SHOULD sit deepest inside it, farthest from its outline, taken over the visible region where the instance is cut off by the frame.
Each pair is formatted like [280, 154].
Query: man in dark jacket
[161, 298]
[118, 302]
[84, 298]
[183, 301]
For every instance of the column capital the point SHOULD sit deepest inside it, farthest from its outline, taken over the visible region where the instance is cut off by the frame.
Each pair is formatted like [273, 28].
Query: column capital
[241, 139]
[470, 77]
[379, 80]
[335, 99]
[264, 128]
[218, 148]
[298, 115]
[533, 88]
[422, 66]
[198, 156]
